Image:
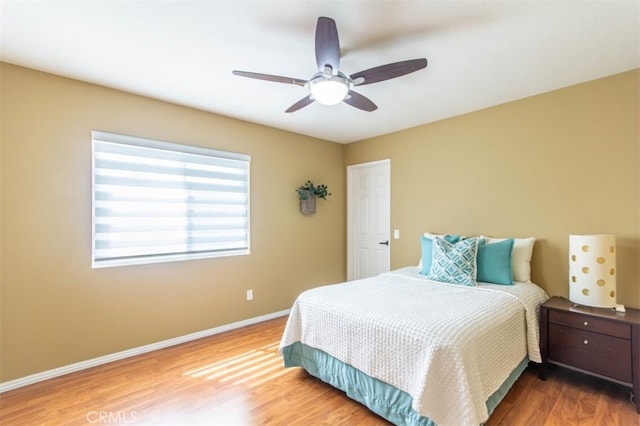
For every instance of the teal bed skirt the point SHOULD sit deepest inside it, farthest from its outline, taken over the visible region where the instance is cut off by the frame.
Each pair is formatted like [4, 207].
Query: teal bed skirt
[381, 398]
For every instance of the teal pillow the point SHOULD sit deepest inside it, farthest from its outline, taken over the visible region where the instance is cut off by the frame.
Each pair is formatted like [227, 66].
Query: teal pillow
[454, 262]
[494, 262]
[427, 250]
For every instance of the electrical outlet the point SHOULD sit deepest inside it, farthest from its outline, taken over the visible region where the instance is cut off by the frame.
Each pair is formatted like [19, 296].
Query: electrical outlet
[249, 294]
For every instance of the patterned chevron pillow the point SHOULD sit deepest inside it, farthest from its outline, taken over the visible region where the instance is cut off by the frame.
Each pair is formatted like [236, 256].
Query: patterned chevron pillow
[454, 262]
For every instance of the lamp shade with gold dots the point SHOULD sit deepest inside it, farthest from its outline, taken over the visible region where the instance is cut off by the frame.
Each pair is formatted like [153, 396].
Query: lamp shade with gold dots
[592, 270]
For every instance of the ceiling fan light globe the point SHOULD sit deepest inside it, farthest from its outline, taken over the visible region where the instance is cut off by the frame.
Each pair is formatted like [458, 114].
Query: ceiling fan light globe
[329, 91]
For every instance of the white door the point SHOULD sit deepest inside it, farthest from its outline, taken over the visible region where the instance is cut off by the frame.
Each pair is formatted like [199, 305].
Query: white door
[368, 219]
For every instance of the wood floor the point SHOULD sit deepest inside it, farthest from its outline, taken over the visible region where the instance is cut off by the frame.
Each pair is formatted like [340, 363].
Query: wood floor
[237, 378]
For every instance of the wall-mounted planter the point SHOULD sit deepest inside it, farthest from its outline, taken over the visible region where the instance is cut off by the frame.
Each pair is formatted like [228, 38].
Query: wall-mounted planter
[308, 194]
[308, 206]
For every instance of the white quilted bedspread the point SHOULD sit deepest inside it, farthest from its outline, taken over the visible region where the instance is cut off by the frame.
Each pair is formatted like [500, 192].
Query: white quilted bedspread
[448, 346]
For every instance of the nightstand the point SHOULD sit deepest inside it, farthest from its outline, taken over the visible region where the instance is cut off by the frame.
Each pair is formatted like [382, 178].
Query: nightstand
[596, 341]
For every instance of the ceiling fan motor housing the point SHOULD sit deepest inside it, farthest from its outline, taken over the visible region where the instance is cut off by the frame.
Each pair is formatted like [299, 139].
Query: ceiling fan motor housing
[331, 89]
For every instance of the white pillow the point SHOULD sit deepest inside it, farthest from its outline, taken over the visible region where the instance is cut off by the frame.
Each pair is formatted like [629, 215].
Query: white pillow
[520, 257]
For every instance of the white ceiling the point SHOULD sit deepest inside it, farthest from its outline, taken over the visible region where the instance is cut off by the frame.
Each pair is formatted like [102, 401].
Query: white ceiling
[480, 53]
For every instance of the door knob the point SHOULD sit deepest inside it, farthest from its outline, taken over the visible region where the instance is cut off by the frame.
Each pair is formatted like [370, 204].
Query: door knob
[386, 243]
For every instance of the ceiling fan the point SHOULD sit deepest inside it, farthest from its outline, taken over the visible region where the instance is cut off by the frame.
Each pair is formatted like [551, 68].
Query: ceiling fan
[329, 86]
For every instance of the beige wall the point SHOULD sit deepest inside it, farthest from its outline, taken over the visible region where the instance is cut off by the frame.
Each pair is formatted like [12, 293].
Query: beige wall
[547, 166]
[565, 162]
[56, 310]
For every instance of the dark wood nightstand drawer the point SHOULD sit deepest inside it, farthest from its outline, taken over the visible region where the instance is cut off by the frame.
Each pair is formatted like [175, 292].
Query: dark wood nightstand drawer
[595, 352]
[590, 323]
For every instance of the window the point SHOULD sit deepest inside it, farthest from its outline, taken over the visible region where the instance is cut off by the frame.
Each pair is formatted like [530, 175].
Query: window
[157, 201]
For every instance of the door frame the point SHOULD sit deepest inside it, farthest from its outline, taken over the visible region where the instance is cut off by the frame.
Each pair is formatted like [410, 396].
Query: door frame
[351, 191]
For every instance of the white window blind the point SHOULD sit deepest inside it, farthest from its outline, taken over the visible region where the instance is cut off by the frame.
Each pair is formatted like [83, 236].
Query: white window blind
[157, 201]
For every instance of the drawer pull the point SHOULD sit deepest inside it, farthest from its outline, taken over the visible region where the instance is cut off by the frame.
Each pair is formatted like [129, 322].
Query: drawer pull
[586, 342]
[586, 323]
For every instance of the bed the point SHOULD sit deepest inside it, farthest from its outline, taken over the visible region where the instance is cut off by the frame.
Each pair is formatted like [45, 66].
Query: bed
[414, 350]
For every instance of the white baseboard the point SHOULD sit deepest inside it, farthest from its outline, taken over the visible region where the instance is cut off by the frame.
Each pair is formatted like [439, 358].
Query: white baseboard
[61, 371]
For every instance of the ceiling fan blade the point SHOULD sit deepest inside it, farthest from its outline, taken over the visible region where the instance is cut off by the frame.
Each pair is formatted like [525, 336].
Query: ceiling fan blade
[388, 71]
[269, 77]
[359, 101]
[327, 45]
[300, 104]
